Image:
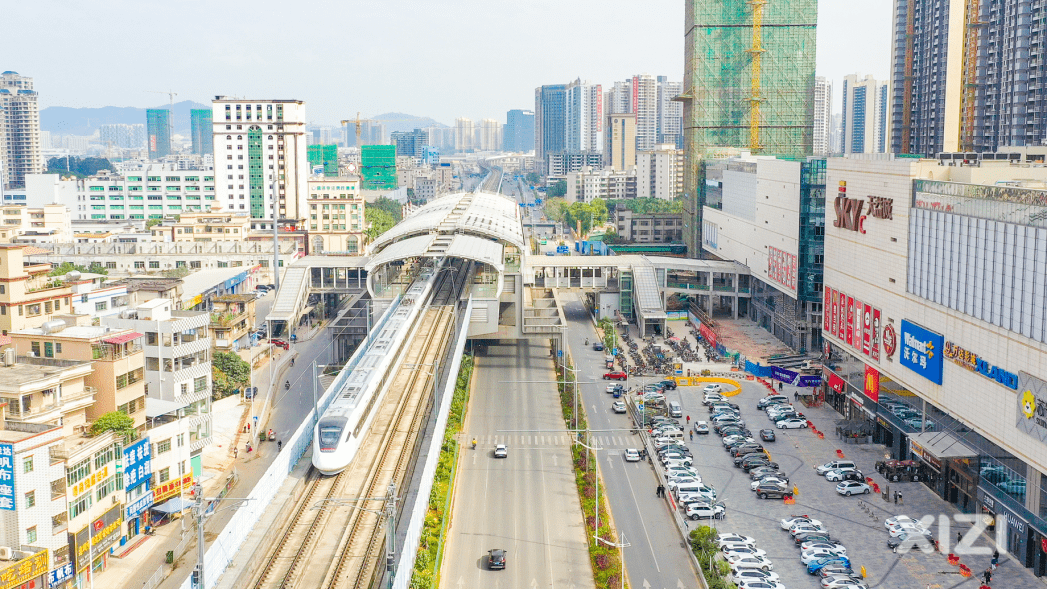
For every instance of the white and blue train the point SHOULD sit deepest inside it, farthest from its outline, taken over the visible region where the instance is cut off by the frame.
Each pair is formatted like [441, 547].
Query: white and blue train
[337, 434]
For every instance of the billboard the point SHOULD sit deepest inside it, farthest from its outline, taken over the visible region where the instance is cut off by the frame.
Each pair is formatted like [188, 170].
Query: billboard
[7, 477]
[872, 383]
[781, 267]
[921, 351]
[137, 464]
[97, 536]
[1032, 406]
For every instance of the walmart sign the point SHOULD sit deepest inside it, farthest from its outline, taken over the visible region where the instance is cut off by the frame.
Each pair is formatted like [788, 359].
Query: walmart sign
[922, 351]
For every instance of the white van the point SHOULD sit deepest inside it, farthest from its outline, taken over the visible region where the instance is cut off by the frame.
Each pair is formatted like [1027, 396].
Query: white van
[674, 435]
[675, 410]
[692, 489]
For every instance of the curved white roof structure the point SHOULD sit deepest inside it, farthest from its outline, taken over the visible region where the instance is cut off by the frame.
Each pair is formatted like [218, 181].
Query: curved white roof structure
[481, 214]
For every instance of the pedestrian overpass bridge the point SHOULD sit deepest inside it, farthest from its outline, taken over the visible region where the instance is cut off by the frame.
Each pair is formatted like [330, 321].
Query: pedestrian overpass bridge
[511, 289]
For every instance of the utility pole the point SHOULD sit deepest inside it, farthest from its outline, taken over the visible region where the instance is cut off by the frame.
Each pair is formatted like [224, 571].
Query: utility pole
[390, 534]
[201, 547]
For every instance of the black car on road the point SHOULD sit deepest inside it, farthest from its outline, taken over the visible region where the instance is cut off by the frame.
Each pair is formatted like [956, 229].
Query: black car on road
[767, 435]
[496, 559]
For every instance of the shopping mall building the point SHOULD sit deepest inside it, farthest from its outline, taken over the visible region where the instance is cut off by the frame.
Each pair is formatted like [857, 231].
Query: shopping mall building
[935, 325]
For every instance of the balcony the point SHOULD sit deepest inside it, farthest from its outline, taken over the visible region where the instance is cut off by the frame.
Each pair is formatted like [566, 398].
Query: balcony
[109, 353]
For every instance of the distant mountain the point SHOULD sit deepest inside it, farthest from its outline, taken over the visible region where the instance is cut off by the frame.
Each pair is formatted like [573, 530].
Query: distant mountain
[398, 121]
[62, 120]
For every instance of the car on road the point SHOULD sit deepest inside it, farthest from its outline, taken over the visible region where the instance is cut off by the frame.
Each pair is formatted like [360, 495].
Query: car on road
[598, 346]
[792, 423]
[749, 562]
[745, 449]
[669, 385]
[618, 407]
[280, 344]
[771, 491]
[500, 451]
[836, 570]
[767, 435]
[789, 522]
[783, 408]
[611, 388]
[723, 406]
[754, 574]
[730, 549]
[615, 375]
[852, 475]
[678, 471]
[759, 584]
[836, 475]
[809, 556]
[632, 455]
[704, 492]
[900, 519]
[701, 427]
[712, 388]
[496, 559]
[849, 488]
[710, 398]
[814, 566]
[707, 511]
[722, 539]
[675, 458]
[916, 423]
[750, 462]
[802, 538]
[682, 481]
[778, 481]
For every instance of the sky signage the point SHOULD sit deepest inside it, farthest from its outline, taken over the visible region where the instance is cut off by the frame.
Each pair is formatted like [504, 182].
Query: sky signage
[922, 351]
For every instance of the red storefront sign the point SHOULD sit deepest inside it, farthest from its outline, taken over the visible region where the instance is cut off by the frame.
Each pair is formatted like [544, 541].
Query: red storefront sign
[872, 383]
[708, 334]
[836, 383]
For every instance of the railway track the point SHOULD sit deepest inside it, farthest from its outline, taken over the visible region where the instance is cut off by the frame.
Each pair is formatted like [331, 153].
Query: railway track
[334, 539]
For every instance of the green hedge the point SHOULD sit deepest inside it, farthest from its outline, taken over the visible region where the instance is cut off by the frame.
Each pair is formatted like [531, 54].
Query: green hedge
[605, 561]
[703, 544]
[426, 565]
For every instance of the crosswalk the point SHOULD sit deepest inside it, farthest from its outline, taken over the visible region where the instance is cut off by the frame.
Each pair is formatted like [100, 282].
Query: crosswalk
[554, 440]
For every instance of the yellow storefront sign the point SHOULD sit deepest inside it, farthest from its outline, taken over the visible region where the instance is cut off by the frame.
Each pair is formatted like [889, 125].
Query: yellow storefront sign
[172, 488]
[24, 570]
[90, 481]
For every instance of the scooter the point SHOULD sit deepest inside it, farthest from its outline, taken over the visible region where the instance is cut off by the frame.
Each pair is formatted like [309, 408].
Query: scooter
[287, 384]
[474, 443]
[272, 435]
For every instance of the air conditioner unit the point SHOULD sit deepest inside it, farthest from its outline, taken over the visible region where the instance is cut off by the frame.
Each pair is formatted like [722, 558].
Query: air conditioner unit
[5, 553]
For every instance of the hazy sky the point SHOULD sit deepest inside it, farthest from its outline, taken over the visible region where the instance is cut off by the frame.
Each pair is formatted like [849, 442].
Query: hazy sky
[445, 59]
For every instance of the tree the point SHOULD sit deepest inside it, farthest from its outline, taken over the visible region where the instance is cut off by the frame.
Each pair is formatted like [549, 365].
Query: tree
[230, 373]
[114, 421]
[67, 267]
[388, 205]
[79, 167]
[643, 206]
[558, 189]
[610, 236]
[556, 209]
[378, 221]
[533, 178]
[152, 223]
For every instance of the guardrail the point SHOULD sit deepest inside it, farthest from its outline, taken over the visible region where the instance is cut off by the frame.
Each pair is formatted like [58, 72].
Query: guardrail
[405, 566]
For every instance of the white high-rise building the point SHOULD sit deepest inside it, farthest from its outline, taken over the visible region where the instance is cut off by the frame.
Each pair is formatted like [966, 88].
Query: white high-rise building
[620, 98]
[645, 105]
[670, 113]
[463, 134]
[490, 135]
[584, 117]
[260, 158]
[823, 113]
[659, 172]
[863, 128]
[19, 130]
[122, 136]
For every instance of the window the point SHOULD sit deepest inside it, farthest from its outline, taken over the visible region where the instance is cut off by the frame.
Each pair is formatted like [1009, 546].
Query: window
[49, 349]
[200, 384]
[181, 440]
[47, 307]
[30, 499]
[163, 446]
[79, 506]
[30, 535]
[27, 465]
[35, 346]
[100, 306]
[185, 388]
[154, 265]
[78, 472]
[165, 475]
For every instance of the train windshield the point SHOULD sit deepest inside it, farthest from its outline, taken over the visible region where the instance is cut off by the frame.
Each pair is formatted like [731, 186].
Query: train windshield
[329, 437]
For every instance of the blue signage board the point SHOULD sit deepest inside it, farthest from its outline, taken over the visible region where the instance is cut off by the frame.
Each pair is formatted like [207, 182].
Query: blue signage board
[562, 249]
[140, 505]
[138, 464]
[60, 575]
[7, 477]
[922, 351]
[795, 378]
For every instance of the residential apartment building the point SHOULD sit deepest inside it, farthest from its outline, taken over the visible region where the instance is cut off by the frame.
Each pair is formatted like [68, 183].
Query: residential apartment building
[659, 172]
[260, 158]
[232, 321]
[28, 296]
[463, 135]
[410, 143]
[19, 130]
[518, 136]
[934, 315]
[33, 512]
[647, 227]
[967, 82]
[201, 129]
[203, 227]
[823, 115]
[51, 391]
[490, 135]
[177, 360]
[550, 118]
[563, 163]
[94, 494]
[336, 216]
[863, 115]
[620, 141]
[769, 215]
[48, 224]
[588, 184]
[645, 106]
[158, 132]
[118, 370]
[670, 113]
[583, 117]
[93, 297]
[619, 98]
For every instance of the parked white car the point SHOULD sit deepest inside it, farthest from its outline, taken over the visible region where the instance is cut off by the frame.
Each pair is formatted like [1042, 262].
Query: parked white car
[788, 523]
[749, 562]
[759, 584]
[808, 556]
[722, 539]
[705, 511]
[754, 575]
[733, 549]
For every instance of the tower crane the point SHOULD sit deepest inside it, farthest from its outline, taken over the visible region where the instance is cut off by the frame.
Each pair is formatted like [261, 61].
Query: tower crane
[357, 121]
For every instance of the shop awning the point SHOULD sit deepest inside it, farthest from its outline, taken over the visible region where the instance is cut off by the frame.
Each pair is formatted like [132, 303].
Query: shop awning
[123, 338]
[942, 445]
[173, 505]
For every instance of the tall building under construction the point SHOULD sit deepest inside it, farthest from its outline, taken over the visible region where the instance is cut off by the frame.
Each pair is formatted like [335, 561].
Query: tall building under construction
[748, 85]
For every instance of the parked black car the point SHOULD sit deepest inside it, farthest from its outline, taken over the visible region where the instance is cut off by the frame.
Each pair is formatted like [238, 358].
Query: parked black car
[751, 462]
[773, 492]
[669, 384]
[767, 435]
[746, 449]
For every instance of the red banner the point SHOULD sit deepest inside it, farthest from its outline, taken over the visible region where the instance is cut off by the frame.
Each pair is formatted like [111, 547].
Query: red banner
[826, 313]
[867, 330]
[876, 335]
[872, 383]
[836, 383]
[849, 313]
[708, 334]
[842, 326]
[857, 334]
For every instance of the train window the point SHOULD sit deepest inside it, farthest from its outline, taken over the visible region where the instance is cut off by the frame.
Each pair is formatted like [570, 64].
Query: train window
[329, 438]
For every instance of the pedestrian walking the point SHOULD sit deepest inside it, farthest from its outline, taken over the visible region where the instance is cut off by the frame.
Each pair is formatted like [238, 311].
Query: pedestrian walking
[236, 452]
[987, 575]
[780, 387]
[996, 555]
[959, 538]
[688, 419]
[796, 396]
[896, 497]
[692, 435]
[901, 500]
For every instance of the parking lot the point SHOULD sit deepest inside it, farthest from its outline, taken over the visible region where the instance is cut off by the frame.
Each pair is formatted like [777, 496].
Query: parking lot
[857, 522]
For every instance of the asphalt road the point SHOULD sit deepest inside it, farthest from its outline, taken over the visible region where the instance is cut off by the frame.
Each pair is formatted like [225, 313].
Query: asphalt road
[657, 556]
[527, 503]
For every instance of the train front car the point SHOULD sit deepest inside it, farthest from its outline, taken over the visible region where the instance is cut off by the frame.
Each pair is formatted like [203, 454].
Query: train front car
[333, 445]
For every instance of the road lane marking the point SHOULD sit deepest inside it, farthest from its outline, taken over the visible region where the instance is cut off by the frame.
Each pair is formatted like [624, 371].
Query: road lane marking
[643, 524]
